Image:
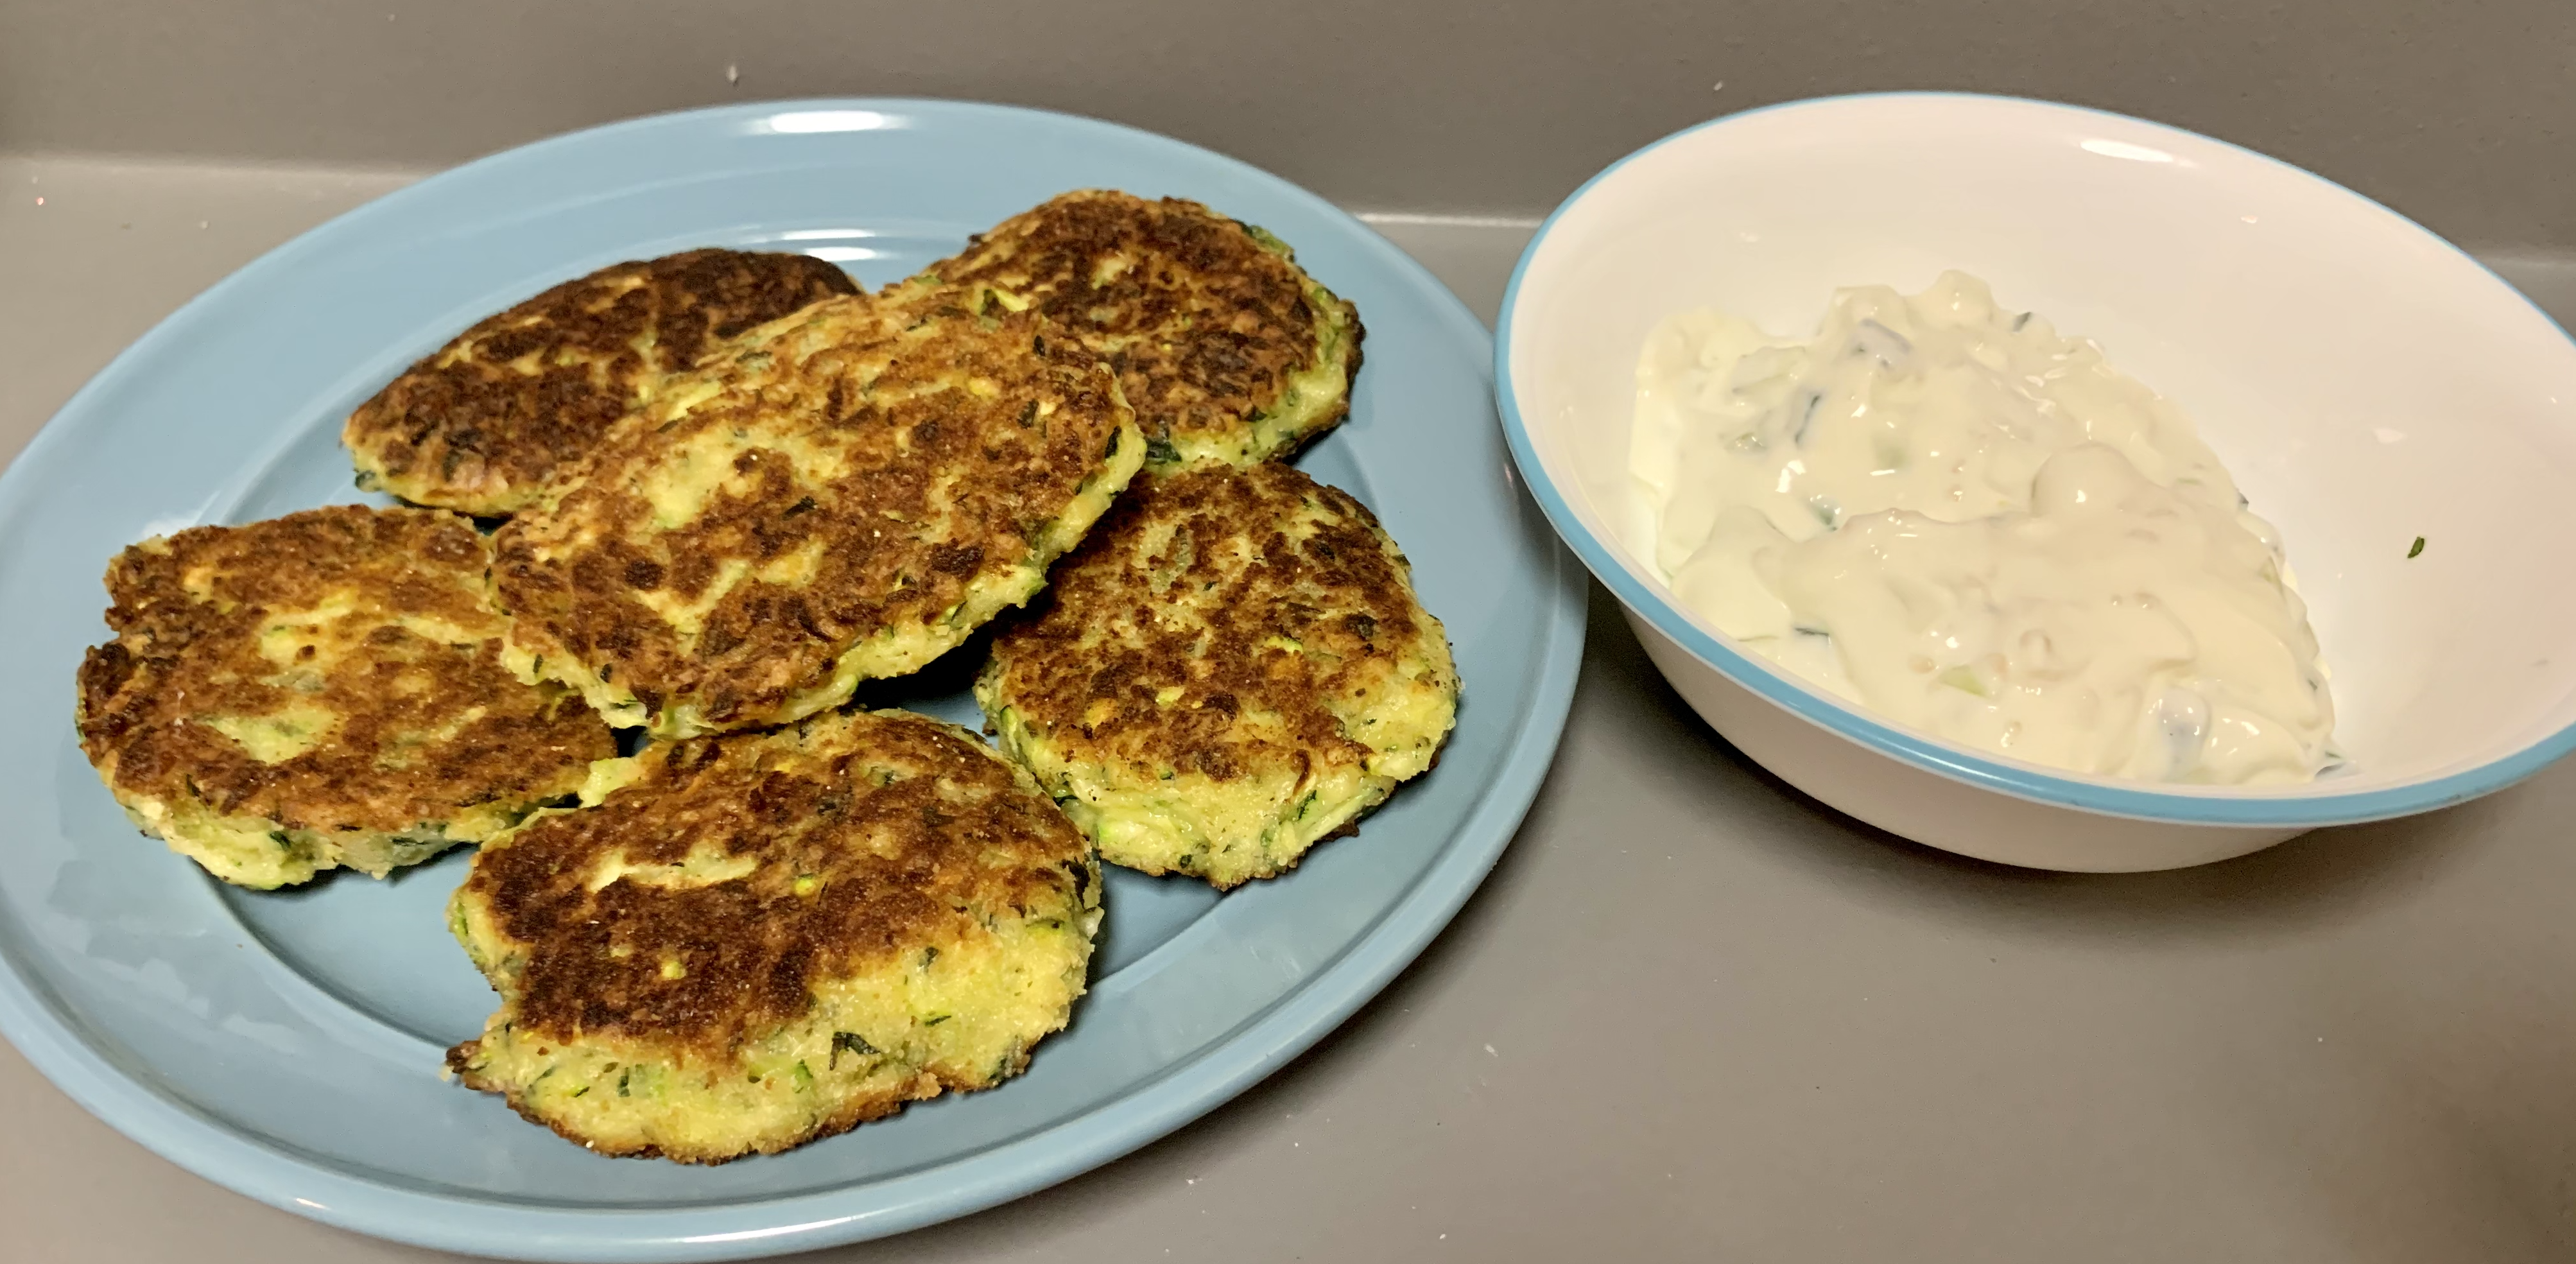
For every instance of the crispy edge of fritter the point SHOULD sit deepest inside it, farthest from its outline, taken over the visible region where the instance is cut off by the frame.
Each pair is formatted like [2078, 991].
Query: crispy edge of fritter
[1328, 381]
[1111, 814]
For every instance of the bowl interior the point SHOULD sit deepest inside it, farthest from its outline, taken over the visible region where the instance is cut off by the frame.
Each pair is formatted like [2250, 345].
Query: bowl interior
[2365, 381]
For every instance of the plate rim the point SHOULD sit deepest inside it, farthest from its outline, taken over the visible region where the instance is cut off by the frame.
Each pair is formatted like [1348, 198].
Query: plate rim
[49, 1033]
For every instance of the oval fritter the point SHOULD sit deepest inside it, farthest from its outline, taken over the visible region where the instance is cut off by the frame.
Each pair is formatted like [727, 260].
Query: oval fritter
[478, 426]
[844, 495]
[321, 690]
[1231, 668]
[760, 939]
[1225, 347]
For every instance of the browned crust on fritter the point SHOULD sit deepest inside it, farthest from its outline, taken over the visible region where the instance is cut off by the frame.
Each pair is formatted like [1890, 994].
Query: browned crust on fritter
[944, 490]
[480, 424]
[1101, 634]
[956, 834]
[184, 656]
[1203, 324]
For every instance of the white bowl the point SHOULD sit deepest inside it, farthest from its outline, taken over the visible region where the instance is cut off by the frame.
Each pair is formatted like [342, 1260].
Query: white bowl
[2366, 382]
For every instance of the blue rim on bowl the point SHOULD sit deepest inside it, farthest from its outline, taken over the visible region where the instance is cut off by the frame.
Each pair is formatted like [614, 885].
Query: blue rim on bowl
[2196, 806]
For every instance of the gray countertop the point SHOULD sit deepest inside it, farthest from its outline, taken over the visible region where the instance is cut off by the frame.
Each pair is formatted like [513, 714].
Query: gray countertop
[1691, 1014]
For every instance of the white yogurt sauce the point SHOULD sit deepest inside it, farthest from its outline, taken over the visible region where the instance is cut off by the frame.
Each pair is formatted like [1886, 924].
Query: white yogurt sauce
[1953, 516]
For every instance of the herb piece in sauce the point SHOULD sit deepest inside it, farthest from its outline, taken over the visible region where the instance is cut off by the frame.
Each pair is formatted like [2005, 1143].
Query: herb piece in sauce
[2418, 548]
[1806, 416]
[1881, 343]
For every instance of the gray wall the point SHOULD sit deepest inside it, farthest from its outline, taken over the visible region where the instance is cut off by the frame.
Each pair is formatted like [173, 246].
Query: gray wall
[2462, 114]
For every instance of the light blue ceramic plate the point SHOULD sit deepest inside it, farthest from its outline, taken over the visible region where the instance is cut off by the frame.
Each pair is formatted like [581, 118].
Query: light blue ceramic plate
[288, 1045]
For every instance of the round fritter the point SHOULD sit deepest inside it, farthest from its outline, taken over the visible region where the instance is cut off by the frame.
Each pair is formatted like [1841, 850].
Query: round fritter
[844, 495]
[321, 690]
[1231, 668]
[760, 939]
[1225, 347]
[478, 426]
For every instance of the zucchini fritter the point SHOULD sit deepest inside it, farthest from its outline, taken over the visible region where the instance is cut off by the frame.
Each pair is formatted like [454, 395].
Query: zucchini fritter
[841, 496]
[759, 939]
[1231, 668]
[1225, 347]
[321, 690]
[480, 424]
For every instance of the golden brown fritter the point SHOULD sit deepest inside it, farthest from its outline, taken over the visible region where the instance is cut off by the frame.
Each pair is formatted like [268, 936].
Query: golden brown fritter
[844, 495]
[1225, 347]
[1231, 668]
[478, 426]
[320, 690]
[759, 939]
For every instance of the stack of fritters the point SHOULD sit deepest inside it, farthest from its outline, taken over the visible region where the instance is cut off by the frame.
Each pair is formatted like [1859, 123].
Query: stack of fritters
[842, 495]
[735, 489]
